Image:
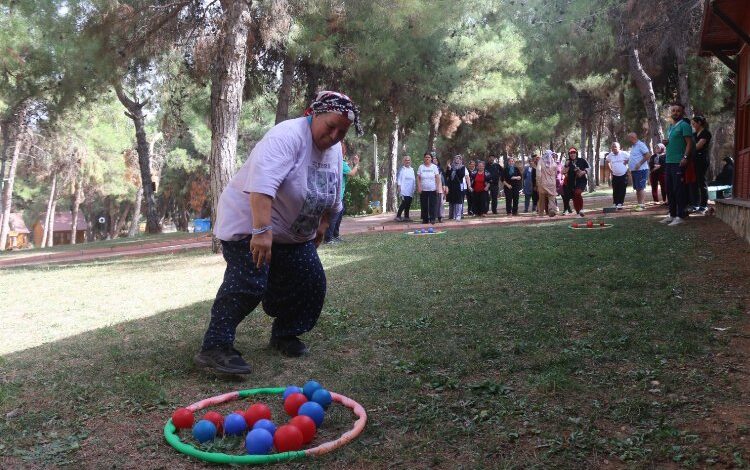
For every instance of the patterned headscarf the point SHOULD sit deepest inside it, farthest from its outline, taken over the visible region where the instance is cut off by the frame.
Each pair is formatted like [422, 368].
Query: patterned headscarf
[339, 103]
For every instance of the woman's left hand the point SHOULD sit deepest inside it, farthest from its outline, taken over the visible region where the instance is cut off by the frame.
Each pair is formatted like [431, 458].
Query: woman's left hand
[321, 233]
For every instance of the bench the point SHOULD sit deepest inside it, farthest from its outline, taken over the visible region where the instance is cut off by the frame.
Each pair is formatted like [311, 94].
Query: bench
[719, 191]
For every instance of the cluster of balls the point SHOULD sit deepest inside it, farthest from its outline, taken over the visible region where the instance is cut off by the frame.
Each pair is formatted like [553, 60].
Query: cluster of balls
[589, 224]
[429, 230]
[305, 405]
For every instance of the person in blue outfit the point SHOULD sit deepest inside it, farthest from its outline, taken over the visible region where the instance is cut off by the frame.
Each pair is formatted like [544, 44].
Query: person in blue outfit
[638, 166]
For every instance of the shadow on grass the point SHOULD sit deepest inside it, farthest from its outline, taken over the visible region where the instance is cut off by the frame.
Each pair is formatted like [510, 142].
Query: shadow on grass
[536, 347]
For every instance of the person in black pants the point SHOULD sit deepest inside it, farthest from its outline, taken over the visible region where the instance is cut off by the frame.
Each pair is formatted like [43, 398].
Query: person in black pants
[429, 183]
[496, 175]
[512, 182]
[699, 190]
[470, 196]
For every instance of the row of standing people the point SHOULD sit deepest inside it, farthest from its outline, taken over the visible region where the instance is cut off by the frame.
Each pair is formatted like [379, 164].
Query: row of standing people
[477, 185]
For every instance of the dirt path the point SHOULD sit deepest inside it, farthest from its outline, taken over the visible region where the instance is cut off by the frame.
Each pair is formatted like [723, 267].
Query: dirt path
[350, 225]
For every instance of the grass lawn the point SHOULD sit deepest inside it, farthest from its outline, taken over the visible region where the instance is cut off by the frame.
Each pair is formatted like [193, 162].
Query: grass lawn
[501, 347]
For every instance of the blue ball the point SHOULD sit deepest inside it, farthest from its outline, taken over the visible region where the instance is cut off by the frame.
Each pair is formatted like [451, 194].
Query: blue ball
[204, 431]
[266, 424]
[314, 411]
[258, 442]
[416, 231]
[289, 390]
[310, 388]
[322, 397]
[430, 230]
[234, 425]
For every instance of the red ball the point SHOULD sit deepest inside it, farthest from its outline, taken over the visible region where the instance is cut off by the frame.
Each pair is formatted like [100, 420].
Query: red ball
[575, 225]
[306, 425]
[590, 224]
[293, 402]
[287, 438]
[183, 418]
[255, 412]
[215, 418]
[601, 224]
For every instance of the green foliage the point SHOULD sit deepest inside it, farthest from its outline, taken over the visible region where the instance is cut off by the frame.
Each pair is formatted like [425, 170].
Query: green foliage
[356, 193]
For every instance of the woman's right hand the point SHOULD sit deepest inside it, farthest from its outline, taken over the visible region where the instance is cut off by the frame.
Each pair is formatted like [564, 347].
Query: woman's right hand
[260, 247]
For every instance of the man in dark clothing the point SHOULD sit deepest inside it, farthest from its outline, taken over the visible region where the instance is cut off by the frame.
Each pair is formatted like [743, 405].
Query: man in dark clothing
[512, 182]
[496, 174]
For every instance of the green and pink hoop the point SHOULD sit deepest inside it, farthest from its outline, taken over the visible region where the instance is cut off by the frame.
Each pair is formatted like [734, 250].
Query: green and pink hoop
[426, 233]
[170, 432]
[595, 227]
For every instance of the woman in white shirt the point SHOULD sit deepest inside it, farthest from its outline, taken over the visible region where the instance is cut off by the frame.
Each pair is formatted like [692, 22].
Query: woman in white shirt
[618, 165]
[428, 186]
[406, 181]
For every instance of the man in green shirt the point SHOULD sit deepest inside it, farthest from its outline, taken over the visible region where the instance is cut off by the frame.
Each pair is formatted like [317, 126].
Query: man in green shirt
[680, 147]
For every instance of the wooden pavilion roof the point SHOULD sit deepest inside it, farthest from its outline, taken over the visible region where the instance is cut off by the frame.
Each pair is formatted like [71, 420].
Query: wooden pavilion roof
[716, 36]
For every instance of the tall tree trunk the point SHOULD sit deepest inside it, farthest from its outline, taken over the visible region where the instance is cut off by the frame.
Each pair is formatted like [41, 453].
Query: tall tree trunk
[645, 87]
[682, 80]
[392, 202]
[375, 164]
[434, 124]
[49, 218]
[88, 211]
[598, 150]
[77, 200]
[133, 231]
[135, 113]
[122, 217]
[4, 129]
[590, 153]
[285, 90]
[314, 72]
[17, 129]
[227, 83]
[51, 231]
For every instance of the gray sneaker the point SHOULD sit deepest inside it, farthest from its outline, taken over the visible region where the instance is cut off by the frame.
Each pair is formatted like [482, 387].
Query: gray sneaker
[676, 221]
[225, 360]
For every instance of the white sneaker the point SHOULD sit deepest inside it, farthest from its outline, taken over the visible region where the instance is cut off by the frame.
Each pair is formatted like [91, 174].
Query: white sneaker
[666, 220]
[580, 215]
[676, 221]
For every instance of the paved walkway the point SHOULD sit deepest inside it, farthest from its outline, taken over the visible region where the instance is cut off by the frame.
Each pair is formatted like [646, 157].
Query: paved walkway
[350, 225]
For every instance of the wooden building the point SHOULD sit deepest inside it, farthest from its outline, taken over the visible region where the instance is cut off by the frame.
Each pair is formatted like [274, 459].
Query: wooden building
[18, 236]
[63, 228]
[726, 35]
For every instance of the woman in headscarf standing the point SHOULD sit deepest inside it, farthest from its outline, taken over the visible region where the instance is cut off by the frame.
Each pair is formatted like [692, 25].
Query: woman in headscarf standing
[271, 218]
[441, 193]
[456, 179]
[546, 183]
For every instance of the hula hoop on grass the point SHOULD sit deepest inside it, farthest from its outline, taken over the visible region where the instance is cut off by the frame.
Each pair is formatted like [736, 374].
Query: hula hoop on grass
[170, 432]
[427, 233]
[595, 227]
